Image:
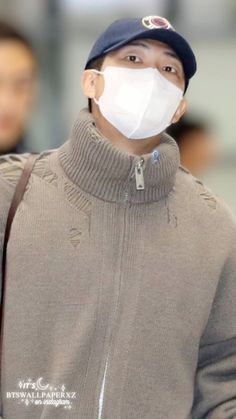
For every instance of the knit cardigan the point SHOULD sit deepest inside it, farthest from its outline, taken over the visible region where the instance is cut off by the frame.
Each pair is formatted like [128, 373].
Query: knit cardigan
[121, 286]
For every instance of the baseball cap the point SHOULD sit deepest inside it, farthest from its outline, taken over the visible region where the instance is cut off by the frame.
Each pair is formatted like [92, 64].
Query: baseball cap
[123, 31]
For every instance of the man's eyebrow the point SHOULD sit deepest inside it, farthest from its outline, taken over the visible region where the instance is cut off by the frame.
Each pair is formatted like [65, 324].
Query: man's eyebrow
[167, 52]
[137, 44]
[172, 54]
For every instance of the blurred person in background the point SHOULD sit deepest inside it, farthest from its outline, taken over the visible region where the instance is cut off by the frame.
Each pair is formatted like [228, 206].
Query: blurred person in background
[197, 144]
[18, 68]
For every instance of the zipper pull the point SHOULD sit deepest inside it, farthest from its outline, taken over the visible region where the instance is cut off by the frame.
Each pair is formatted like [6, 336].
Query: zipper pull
[139, 174]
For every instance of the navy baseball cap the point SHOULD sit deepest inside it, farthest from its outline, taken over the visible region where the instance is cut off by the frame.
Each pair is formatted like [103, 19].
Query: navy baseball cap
[123, 31]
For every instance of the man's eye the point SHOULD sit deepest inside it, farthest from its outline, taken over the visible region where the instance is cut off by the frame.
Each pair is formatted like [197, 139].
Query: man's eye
[133, 58]
[169, 69]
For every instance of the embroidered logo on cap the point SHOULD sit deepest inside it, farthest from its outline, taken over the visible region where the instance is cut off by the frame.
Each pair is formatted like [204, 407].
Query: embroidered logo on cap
[156, 22]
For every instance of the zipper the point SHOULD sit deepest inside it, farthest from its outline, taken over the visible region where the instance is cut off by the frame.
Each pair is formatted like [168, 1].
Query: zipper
[102, 391]
[139, 174]
[103, 386]
[139, 177]
[126, 195]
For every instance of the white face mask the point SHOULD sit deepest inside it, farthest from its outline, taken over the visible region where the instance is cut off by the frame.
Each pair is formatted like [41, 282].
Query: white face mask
[140, 103]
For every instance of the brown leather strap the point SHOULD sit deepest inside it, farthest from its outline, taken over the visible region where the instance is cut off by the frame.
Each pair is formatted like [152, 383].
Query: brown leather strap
[17, 197]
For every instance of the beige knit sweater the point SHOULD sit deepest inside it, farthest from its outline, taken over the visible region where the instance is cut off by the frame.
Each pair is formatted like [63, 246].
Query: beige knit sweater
[120, 302]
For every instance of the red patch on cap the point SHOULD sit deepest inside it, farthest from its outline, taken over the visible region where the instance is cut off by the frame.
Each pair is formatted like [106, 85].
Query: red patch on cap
[156, 22]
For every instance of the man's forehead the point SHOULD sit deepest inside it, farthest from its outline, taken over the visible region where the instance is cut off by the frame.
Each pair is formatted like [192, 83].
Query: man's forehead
[149, 42]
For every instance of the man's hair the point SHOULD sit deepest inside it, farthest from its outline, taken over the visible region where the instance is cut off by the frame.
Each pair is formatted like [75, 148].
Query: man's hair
[96, 65]
[186, 126]
[10, 33]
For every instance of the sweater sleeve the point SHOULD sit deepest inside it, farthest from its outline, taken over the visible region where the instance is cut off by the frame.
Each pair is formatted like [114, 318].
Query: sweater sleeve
[215, 380]
[11, 167]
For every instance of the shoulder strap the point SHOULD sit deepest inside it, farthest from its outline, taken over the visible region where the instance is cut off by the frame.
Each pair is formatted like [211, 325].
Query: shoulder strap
[17, 197]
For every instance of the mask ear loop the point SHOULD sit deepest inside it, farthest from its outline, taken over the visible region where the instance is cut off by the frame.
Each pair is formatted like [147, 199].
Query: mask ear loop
[97, 72]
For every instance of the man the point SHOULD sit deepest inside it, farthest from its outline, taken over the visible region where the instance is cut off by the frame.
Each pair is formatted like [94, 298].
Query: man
[121, 266]
[198, 147]
[18, 69]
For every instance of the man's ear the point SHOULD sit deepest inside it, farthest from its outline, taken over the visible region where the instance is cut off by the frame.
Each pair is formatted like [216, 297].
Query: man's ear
[183, 106]
[88, 83]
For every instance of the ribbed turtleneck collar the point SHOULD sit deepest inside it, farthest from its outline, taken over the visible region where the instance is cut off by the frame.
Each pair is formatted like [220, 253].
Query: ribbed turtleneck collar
[99, 168]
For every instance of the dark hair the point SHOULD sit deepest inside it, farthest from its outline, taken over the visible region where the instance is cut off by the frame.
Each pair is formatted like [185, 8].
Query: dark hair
[10, 33]
[97, 65]
[185, 126]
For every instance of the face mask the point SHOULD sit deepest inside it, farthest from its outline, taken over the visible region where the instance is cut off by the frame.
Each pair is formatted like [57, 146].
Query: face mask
[140, 103]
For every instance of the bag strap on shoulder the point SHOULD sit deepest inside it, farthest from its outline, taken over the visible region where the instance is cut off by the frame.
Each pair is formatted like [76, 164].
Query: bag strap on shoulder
[17, 197]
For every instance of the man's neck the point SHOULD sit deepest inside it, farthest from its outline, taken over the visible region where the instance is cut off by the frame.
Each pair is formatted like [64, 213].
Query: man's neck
[133, 147]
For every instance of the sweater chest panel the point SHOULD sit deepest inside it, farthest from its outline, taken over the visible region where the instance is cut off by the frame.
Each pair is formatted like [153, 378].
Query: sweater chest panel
[115, 281]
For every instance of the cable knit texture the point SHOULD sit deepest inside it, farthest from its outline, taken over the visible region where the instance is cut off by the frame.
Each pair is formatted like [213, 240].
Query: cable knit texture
[120, 301]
